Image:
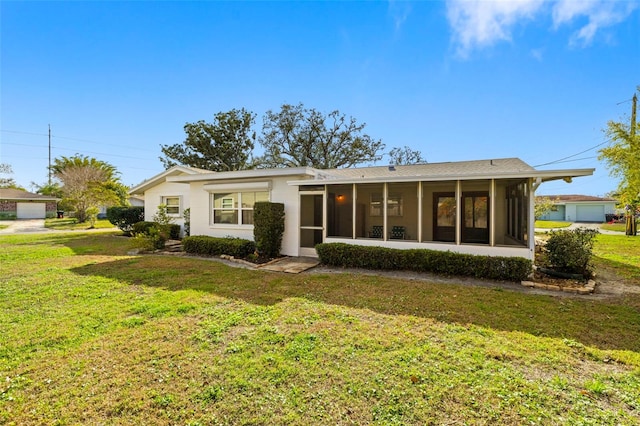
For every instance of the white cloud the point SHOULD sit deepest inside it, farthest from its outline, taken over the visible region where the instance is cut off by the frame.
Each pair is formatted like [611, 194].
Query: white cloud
[481, 23]
[477, 24]
[537, 54]
[400, 11]
[600, 14]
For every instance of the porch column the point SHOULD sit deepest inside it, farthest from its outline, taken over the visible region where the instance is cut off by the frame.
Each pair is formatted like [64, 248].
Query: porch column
[459, 212]
[492, 213]
[354, 216]
[420, 211]
[531, 216]
[385, 196]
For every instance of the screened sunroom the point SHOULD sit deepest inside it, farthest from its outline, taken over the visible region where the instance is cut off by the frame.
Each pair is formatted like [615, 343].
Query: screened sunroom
[478, 207]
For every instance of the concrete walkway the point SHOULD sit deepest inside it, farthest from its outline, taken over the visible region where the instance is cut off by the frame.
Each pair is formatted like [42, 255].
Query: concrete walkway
[36, 226]
[575, 225]
[291, 265]
[24, 226]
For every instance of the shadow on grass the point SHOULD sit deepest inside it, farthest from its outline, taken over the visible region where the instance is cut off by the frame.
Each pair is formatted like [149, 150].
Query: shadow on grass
[607, 325]
[629, 273]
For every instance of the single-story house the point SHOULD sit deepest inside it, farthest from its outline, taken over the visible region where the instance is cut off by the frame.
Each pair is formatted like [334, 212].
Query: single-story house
[579, 208]
[20, 204]
[483, 207]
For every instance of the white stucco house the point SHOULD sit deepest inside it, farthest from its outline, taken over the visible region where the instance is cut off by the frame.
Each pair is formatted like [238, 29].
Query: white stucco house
[579, 208]
[483, 207]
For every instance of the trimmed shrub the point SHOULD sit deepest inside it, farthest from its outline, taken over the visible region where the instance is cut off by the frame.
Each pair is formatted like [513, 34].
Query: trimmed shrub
[142, 227]
[125, 217]
[571, 251]
[186, 214]
[171, 231]
[151, 239]
[174, 231]
[423, 260]
[268, 227]
[214, 246]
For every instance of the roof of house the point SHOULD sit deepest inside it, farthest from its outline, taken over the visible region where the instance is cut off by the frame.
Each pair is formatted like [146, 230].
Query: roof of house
[248, 174]
[162, 176]
[19, 194]
[458, 168]
[502, 168]
[577, 198]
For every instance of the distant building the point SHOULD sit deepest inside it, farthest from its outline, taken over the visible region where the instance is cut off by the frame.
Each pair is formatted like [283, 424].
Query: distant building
[19, 204]
[579, 208]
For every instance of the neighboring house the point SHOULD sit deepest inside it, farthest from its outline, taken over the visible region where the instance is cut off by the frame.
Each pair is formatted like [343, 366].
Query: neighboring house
[136, 201]
[133, 201]
[483, 207]
[579, 208]
[19, 204]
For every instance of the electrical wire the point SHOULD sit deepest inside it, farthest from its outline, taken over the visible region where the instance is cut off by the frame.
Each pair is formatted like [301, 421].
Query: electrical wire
[53, 136]
[562, 160]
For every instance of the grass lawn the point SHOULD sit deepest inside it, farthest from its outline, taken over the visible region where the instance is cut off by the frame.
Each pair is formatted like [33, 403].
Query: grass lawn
[91, 335]
[620, 227]
[619, 254]
[550, 224]
[71, 224]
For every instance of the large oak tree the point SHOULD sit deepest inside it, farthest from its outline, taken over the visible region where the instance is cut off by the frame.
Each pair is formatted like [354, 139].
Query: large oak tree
[296, 136]
[226, 144]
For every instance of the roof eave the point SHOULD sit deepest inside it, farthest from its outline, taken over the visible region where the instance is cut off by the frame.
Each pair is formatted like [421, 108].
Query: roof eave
[245, 174]
[544, 175]
[165, 175]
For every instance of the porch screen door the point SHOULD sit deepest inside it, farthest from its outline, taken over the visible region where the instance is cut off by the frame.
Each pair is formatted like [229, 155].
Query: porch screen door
[311, 222]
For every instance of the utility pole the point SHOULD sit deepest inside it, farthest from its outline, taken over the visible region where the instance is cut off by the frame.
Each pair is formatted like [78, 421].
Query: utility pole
[49, 154]
[634, 101]
[631, 228]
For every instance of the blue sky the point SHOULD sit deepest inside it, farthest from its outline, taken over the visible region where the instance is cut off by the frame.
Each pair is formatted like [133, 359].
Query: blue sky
[457, 80]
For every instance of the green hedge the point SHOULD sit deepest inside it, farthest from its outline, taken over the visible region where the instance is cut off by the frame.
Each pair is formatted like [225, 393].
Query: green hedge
[125, 217]
[200, 244]
[423, 260]
[143, 228]
[268, 227]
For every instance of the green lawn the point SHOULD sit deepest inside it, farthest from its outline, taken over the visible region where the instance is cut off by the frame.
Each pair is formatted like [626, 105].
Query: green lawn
[550, 224]
[71, 224]
[91, 335]
[619, 254]
[620, 227]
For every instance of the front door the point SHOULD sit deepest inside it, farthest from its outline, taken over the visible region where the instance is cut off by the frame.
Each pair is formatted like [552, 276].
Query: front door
[311, 222]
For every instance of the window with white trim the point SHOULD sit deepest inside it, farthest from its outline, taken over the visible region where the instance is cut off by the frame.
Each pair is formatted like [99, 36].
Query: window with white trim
[235, 208]
[173, 205]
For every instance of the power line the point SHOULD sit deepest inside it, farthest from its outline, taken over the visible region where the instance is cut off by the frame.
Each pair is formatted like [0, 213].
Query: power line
[71, 139]
[77, 151]
[562, 160]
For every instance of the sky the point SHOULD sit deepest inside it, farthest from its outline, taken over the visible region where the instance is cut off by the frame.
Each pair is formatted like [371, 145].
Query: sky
[457, 79]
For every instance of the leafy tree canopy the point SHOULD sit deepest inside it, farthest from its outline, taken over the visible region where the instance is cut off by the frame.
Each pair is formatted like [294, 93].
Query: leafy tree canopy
[87, 183]
[223, 145]
[405, 156]
[296, 136]
[7, 181]
[622, 157]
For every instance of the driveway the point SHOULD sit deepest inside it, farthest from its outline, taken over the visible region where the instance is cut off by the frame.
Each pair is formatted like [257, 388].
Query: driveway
[576, 225]
[24, 226]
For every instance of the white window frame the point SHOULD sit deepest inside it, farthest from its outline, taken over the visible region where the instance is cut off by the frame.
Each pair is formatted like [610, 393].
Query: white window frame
[239, 209]
[164, 199]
